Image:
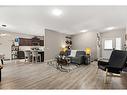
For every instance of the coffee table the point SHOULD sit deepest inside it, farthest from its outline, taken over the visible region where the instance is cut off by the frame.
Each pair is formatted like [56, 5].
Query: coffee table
[63, 61]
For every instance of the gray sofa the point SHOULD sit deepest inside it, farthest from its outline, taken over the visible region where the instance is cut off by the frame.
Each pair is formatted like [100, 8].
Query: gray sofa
[80, 58]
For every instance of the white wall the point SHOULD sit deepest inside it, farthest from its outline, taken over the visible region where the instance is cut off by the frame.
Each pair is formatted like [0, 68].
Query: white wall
[6, 42]
[86, 40]
[111, 35]
[53, 43]
[5, 47]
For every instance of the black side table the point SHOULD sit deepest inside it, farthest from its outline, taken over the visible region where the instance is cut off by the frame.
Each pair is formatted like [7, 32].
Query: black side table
[88, 59]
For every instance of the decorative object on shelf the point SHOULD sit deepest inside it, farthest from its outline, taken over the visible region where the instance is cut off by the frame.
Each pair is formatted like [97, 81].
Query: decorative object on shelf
[125, 36]
[66, 46]
[125, 45]
[14, 50]
[68, 42]
[98, 39]
[17, 41]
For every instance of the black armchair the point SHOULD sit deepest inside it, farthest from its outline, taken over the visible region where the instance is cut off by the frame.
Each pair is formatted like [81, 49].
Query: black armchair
[115, 64]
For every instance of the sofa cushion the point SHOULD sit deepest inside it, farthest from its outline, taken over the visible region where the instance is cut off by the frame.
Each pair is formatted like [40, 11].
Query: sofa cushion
[73, 53]
[80, 53]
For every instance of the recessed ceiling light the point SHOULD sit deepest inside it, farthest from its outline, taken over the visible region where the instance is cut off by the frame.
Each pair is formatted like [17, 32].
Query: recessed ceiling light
[110, 28]
[56, 12]
[83, 30]
[3, 34]
[3, 25]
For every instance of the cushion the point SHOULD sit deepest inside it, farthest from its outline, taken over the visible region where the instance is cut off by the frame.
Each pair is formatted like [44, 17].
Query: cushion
[73, 53]
[80, 53]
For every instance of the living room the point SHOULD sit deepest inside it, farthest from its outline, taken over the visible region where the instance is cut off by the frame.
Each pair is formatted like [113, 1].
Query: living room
[89, 33]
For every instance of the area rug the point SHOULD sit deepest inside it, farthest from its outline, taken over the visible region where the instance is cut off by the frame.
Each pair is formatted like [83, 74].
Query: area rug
[64, 68]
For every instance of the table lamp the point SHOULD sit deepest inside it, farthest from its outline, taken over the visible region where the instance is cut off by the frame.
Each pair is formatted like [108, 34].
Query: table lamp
[88, 51]
[63, 50]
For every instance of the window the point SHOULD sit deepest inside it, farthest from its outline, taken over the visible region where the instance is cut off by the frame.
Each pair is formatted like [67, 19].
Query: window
[108, 44]
[118, 43]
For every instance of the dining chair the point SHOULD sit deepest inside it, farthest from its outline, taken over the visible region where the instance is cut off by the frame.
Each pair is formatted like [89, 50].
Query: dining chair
[27, 55]
[35, 56]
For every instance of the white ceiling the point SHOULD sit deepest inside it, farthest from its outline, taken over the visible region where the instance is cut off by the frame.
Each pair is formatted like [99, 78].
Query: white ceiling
[33, 19]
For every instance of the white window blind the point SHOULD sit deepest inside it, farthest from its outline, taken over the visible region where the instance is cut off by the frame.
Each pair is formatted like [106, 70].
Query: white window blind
[118, 43]
[108, 44]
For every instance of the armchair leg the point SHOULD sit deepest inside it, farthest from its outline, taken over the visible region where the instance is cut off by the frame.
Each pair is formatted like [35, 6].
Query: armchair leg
[105, 80]
[2, 62]
[97, 70]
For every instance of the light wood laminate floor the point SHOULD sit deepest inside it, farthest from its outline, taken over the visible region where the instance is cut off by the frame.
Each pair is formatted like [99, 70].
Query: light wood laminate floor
[21, 75]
